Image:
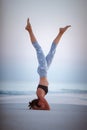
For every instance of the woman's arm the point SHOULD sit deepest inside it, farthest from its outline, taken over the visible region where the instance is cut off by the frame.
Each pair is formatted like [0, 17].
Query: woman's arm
[43, 105]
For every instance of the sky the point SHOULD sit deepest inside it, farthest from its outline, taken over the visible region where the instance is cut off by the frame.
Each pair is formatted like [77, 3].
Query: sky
[18, 61]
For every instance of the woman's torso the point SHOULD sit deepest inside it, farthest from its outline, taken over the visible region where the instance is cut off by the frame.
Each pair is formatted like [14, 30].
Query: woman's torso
[40, 92]
[43, 81]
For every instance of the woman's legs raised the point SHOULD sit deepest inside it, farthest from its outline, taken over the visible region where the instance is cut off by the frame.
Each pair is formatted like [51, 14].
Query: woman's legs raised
[44, 63]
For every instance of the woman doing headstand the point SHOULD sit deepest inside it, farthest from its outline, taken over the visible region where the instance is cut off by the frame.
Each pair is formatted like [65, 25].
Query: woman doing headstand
[44, 62]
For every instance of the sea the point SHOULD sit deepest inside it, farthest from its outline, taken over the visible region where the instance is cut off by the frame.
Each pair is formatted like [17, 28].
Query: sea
[24, 88]
[59, 93]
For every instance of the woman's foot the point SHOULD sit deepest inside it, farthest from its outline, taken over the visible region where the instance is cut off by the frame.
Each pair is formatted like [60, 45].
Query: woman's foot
[28, 26]
[62, 30]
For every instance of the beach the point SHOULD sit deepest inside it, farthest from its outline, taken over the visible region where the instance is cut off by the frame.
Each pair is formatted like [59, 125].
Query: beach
[15, 115]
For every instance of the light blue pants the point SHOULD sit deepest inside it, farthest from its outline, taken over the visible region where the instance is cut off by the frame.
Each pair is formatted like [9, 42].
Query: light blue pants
[44, 62]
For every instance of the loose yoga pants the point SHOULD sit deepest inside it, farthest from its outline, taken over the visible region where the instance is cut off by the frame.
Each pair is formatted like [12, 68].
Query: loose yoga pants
[44, 62]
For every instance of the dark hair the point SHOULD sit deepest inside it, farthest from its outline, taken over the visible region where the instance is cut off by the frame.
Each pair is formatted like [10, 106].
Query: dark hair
[33, 103]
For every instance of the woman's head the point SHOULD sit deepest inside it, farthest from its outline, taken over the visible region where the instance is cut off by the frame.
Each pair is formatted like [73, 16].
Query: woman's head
[34, 103]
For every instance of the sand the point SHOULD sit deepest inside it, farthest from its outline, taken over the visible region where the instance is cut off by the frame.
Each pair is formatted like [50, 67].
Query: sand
[17, 116]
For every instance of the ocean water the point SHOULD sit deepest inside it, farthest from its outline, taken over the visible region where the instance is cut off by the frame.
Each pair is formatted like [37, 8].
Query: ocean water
[22, 88]
[23, 92]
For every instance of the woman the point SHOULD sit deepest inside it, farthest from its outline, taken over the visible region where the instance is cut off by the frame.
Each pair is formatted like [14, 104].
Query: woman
[44, 62]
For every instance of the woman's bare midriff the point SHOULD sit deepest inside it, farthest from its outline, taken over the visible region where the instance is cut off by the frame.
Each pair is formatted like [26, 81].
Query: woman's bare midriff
[43, 81]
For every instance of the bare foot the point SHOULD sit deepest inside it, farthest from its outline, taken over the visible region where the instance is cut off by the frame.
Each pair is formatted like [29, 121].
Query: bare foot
[28, 26]
[62, 30]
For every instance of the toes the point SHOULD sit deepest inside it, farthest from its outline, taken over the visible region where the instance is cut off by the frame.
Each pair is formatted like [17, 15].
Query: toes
[27, 20]
[68, 26]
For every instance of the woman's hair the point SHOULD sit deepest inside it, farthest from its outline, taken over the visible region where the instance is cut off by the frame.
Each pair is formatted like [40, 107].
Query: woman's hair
[33, 103]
